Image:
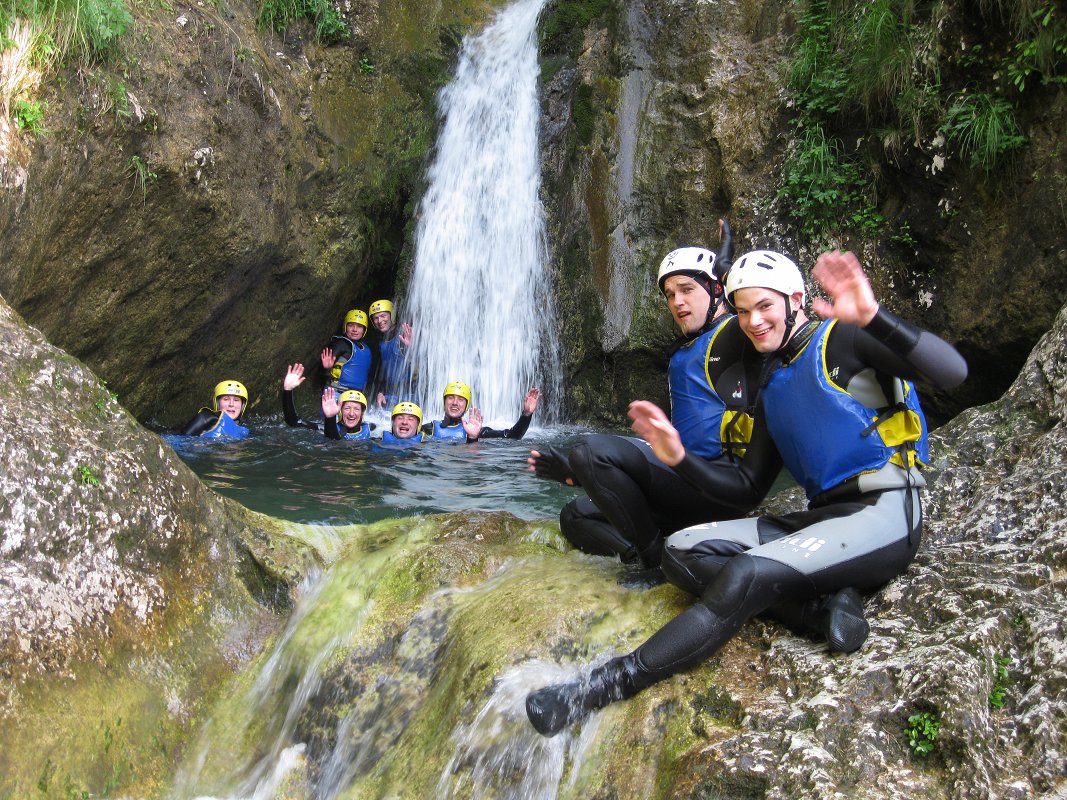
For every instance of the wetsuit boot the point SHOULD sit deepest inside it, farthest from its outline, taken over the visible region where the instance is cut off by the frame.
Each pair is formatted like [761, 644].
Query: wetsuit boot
[553, 708]
[839, 619]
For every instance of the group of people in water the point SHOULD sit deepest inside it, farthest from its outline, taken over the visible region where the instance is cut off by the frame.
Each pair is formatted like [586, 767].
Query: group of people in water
[350, 366]
[755, 384]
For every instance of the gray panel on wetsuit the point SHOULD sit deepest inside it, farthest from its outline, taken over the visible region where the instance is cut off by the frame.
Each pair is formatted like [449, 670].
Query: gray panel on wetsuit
[841, 539]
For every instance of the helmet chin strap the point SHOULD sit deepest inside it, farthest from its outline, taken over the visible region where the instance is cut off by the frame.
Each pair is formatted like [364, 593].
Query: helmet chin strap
[790, 322]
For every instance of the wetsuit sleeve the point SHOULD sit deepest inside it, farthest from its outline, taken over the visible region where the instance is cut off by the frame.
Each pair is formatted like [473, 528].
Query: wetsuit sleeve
[203, 421]
[741, 485]
[427, 428]
[516, 431]
[292, 419]
[329, 427]
[894, 347]
[934, 360]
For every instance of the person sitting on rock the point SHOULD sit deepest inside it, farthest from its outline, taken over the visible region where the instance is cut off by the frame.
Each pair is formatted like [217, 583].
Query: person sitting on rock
[838, 407]
[457, 399]
[224, 418]
[633, 500]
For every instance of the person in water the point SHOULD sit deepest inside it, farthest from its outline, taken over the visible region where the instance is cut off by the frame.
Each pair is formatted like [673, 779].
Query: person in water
[405, 430]
[343, 414]
[840, 410]
[225, 417]
[457, 400]
[347, 360]
[634, 500]
[393, 376]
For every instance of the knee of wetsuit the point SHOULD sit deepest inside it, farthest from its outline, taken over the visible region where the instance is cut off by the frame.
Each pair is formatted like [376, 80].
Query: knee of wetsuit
[748, 585]
[677, 570]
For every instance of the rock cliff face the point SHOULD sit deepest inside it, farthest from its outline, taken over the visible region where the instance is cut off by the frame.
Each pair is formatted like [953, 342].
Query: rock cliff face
[209, 202]
[127, 589]
[672, 114]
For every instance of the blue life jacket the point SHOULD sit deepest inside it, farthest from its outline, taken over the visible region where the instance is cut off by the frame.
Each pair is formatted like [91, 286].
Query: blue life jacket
[226, 426]
[394, 369]
[356, 371]
[389, 438]
[825, 435]
[704, 419]
[343, 351]
[448, 432]
[362, 433]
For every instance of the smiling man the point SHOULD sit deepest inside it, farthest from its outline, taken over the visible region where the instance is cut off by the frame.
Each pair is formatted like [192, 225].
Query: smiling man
[633, 499]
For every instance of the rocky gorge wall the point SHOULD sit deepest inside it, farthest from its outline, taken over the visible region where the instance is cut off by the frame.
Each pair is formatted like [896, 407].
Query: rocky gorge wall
[209, 200]
[669, 115]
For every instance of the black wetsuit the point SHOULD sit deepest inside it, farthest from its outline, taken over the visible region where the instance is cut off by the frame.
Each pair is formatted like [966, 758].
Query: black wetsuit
[634, 500]
[342, 348]
[205, 420]
[292, 419]
[859, 533]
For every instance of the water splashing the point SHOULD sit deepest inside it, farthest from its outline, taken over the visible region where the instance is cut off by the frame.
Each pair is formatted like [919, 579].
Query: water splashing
[479, 299]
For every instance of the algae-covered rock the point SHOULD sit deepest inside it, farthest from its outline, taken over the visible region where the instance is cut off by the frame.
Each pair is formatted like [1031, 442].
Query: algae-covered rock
[127, 589]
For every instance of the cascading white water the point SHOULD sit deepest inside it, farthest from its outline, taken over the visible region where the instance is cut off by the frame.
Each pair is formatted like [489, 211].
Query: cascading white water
[479, 300]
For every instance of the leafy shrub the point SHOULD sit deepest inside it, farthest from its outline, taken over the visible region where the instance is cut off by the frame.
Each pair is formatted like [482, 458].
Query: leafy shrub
[28, 116]
[923, 731]
[330, 27]
[984, 127]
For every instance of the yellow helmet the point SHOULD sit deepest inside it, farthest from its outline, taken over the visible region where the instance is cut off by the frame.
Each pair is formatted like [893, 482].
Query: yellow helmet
[235, 388]
[407, 407]
[458, 388]
[380, 305]
[352, 396]
[355, 315]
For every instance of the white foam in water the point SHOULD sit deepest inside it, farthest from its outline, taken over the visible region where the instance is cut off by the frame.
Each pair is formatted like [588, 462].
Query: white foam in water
[500, 755]
[479, 299]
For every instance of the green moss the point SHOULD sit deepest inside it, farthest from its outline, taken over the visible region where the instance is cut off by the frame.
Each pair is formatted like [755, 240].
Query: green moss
[564, 22]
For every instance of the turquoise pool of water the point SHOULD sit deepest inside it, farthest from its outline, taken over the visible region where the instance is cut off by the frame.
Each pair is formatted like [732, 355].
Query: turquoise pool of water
[299, 475]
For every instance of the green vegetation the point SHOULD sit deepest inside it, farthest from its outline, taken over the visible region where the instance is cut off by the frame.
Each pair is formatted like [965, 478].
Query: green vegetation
[562, 28]
[868, 78]
[87, 476]
[28, 116]
[330, 27]
[142, 174]
[923, 731]
[999, 692]
[62, 29]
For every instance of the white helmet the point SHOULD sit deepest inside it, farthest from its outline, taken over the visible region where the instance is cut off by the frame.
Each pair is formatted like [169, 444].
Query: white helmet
[696, 262]
[765, 269]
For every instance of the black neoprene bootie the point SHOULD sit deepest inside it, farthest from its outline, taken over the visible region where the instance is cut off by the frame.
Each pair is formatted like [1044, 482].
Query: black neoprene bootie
[839, 618]
[553, 708]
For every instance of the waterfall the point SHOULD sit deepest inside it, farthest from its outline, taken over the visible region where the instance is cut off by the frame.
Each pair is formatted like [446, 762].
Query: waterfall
[479, 298]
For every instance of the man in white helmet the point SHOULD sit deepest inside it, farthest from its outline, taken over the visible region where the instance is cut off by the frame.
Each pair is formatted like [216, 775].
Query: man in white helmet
[842, 414]
[633, 500]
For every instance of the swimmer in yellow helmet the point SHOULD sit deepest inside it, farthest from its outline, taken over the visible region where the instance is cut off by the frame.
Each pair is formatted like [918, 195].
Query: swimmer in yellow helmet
[392, 375]
[347, 360]
[457, 400]
[407, 417]
[225, 416]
